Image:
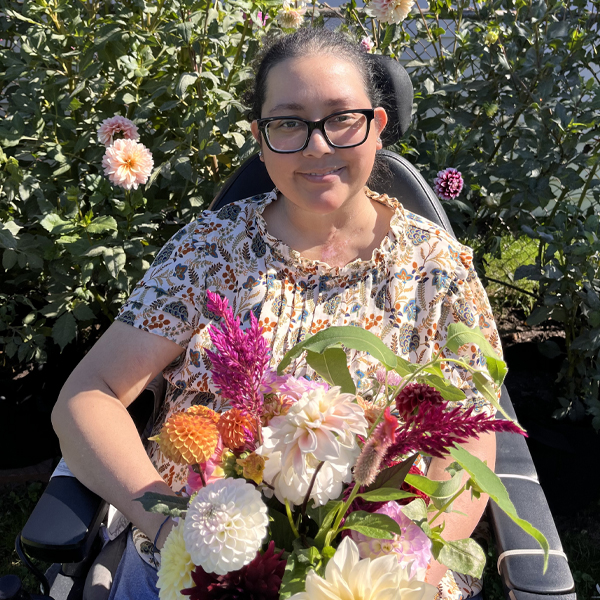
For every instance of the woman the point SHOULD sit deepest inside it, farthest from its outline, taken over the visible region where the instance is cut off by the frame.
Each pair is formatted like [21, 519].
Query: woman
[320, 250]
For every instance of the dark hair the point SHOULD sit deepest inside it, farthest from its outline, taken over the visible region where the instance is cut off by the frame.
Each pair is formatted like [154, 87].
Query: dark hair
[308, 41]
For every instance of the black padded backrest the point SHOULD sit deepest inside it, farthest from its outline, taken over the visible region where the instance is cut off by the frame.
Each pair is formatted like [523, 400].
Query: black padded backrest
[396, 91]
[402, 181]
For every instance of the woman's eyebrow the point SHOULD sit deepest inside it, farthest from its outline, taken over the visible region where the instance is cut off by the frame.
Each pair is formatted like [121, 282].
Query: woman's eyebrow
[294, 106]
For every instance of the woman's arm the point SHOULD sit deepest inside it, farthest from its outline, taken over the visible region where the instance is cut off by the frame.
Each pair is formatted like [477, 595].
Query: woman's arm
[461, 526]
[98, 438]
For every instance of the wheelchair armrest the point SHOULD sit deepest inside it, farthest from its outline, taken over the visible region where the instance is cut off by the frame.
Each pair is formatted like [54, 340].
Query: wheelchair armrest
[64, 522]
[522, 574]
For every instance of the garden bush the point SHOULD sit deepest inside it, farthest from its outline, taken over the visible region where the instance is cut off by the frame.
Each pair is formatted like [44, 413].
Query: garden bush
[507, 92]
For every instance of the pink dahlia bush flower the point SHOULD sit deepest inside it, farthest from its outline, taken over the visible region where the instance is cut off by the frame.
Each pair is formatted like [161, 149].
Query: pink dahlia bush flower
[448, 184]
[412, 546]
[109, 127]
[390, 11]
[366, 44]
[127, 164]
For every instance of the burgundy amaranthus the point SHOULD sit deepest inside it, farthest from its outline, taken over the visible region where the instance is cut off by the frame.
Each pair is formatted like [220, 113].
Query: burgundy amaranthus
[448, 184]
[241, 359]
[433, 429]
[258, 580]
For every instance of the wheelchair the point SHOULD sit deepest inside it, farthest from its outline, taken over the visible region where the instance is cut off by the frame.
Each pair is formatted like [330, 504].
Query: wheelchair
[63, 528]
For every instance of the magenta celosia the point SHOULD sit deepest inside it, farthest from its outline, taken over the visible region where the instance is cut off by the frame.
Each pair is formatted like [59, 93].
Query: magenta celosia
[240, 360]
[258, 580]
[448, 184]
[433, 429]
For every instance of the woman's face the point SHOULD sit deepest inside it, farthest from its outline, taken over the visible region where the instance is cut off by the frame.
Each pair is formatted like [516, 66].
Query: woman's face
[319, 179]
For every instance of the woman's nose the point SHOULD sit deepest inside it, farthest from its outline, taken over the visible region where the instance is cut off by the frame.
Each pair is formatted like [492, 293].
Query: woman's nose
[317, 145]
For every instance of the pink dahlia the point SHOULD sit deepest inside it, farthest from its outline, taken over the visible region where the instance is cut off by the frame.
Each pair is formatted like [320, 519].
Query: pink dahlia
[448, 184]
[366, 44]
[258, 580]
[109, 127]
[127, 164]
[412, 546]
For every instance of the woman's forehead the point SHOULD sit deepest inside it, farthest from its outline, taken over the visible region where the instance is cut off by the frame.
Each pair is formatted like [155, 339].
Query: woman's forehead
[327, 79]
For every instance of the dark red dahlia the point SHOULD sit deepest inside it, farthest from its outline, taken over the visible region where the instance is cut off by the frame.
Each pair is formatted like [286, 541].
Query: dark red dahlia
[415, 394]
[258, 580]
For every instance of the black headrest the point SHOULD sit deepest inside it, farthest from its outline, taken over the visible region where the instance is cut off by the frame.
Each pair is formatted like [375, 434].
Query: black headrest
[397, 91]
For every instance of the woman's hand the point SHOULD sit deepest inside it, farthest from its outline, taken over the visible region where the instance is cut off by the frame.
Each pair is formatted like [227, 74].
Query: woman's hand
[98, 438]
[459, 526]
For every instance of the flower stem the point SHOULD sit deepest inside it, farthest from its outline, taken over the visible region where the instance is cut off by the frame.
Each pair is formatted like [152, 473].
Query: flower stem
[443, 509]
[288, 512]
[310, 487]
[336, 525]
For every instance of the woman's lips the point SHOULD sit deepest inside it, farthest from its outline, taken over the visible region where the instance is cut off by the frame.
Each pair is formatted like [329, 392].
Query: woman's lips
[322, 175]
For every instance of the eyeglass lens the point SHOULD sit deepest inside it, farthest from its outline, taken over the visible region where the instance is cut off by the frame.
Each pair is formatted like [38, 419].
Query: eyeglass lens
[348, 129]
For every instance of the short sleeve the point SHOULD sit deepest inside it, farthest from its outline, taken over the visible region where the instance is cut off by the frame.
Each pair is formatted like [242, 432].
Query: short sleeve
[469, 305]
[168, 298]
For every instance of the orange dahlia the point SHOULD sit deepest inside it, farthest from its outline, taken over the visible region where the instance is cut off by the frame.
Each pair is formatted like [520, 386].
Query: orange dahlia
[231, 426]
[204, 411]
[188, 438]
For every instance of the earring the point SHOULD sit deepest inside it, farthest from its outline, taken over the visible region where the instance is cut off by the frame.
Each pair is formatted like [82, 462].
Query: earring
[379, 140]
[260, 154]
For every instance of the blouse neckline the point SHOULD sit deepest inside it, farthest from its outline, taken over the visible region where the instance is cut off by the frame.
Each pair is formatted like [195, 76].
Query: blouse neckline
[378, 257]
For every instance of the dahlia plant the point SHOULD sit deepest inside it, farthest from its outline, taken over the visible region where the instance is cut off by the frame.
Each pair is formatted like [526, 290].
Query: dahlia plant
[276, 480]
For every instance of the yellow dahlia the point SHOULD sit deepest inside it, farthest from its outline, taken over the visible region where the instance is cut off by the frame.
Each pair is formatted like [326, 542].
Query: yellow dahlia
[233, 425]
[187, 438]
[175, 572]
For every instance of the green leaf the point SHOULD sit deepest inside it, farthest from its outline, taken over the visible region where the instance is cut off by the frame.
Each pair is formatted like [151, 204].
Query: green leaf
[172, 506]
[64, 330]
[372, 525]
[403, 367]
[185, 80]
[463, 556]
[416, 510]
[7, 239]
[83, 312]
[56, 224]
[436, 489]
[114, 259]
[332, 366]
[101, 224]
[280, 530]
[488, 482]
[385, 495]
[390, 30]
[459, 335]
[354, 338]
[487, 390]
[332, 508]
[294, 576]
[393, 477]
[444, 387]
[9, 259]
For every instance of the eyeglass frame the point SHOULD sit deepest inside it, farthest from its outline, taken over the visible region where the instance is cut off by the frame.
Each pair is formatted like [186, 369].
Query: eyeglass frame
[312, 125]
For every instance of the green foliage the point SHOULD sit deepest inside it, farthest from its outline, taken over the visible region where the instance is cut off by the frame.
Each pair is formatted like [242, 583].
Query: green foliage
[72, 245]
[508, 93]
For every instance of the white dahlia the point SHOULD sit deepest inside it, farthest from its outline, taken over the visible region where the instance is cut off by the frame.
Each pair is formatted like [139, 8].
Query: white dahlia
[349, 578]
[320, 427]
[225, 525]
[175, 572]
[390, 11]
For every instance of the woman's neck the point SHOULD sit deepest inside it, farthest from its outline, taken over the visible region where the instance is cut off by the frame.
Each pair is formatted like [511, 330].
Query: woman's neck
[338, 238]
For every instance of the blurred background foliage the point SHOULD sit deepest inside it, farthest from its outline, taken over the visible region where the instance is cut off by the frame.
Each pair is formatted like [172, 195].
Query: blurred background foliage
[507, 92]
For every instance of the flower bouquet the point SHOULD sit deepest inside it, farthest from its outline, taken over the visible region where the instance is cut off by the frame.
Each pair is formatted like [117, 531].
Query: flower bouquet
[305, 490]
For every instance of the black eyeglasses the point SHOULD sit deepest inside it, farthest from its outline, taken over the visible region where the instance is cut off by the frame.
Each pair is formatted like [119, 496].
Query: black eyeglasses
[342, 129]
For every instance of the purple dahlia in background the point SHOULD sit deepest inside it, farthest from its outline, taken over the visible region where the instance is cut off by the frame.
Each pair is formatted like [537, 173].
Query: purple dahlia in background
[448, 184]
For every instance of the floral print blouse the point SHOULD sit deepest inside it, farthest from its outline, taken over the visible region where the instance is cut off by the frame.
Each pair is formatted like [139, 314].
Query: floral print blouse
[418, 281]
